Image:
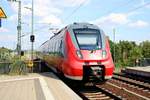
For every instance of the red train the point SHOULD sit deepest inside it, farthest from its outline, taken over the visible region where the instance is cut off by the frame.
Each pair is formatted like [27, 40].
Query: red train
[79, 51]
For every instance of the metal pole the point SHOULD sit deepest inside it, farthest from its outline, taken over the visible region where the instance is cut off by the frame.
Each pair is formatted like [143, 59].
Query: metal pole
[114, 31]
[32, 29]
[19, 29]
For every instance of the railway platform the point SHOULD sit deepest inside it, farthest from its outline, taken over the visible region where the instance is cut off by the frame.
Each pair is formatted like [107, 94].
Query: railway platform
[141, 71]
[44, 86]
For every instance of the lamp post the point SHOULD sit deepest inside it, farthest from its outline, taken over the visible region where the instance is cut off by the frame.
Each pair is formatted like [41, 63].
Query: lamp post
[114, 32]
[18, 27]
[32, 38]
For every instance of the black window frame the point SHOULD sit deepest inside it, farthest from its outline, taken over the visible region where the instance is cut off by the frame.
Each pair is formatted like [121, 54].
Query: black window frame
[86, 29]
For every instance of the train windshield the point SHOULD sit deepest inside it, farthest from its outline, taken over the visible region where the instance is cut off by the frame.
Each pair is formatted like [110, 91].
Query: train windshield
[88, 39]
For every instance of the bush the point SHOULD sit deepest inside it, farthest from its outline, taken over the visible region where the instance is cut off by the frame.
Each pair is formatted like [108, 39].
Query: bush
[4, 68]
[18, 68]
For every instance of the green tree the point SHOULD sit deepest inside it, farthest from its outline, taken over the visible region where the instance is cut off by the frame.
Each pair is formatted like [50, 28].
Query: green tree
[4, 54]
[145, 45]
[135, 54]
[126, 53]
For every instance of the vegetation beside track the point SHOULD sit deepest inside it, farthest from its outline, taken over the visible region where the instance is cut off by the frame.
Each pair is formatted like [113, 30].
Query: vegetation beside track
[10, 63]
[128, 53]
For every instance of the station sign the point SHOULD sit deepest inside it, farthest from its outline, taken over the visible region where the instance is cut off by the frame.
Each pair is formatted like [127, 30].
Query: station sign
[2, 13]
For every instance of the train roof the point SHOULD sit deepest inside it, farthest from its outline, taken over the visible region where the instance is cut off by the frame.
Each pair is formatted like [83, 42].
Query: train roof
[79, 25]
[82, 25]
[75, 26]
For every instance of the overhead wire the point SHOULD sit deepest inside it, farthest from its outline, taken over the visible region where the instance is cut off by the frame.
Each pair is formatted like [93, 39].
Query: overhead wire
[74, 11]
[68, 17]
[36, 30]
[131, 10]
[81, 4]
[122, 5]
[141, 6]
[136, 8]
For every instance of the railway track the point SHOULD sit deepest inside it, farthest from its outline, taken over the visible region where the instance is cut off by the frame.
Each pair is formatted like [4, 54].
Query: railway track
[90, 91]
[123, 92]
[128, 86]
[96, 93]
[133, 76]
[117, 88]
[130, 81]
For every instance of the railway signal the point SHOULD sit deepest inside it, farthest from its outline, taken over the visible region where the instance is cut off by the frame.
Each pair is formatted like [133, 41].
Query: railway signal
[2, 15]
[32, 38]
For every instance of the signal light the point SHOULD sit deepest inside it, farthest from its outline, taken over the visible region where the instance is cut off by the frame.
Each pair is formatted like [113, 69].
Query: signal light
[104, 53]
[32, 38]
[79, 54]
[22, 53]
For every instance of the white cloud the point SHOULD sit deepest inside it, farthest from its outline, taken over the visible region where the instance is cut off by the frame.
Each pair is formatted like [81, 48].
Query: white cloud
[139, 24]
[42, 9]
[24, 11]
[71, 3]
[143, 2]
[51, 19]
[45, 11]
[45, 8]
[14, 6]
[12, 17]
[112, 20]
[6, 37]
[3, 29]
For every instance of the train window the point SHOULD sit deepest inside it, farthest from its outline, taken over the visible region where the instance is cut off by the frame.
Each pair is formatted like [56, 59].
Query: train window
[60, 45]
[88, 39]
[52, 46]
[57, 46]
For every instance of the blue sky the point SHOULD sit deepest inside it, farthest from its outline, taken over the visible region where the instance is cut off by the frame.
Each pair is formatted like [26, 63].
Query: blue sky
[130, 24]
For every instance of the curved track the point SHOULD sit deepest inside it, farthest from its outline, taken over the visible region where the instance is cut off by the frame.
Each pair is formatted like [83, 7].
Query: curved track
[95, 93]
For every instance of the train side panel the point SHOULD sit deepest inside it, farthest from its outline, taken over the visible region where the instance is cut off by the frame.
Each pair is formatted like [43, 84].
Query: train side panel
[64, 53]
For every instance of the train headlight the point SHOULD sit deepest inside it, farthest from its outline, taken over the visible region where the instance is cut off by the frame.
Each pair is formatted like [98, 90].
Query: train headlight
[104, 54]
[79, 54]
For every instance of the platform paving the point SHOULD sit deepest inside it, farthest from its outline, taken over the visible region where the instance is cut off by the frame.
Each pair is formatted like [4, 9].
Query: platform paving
[142, 71]
[18, 90]
[45, 86]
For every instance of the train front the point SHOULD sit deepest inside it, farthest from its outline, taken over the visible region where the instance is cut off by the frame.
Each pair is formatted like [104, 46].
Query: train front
[87, 52]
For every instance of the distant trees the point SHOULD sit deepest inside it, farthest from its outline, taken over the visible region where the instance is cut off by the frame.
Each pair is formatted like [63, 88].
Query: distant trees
[145, 46]
[128, 52]
[4, 54]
